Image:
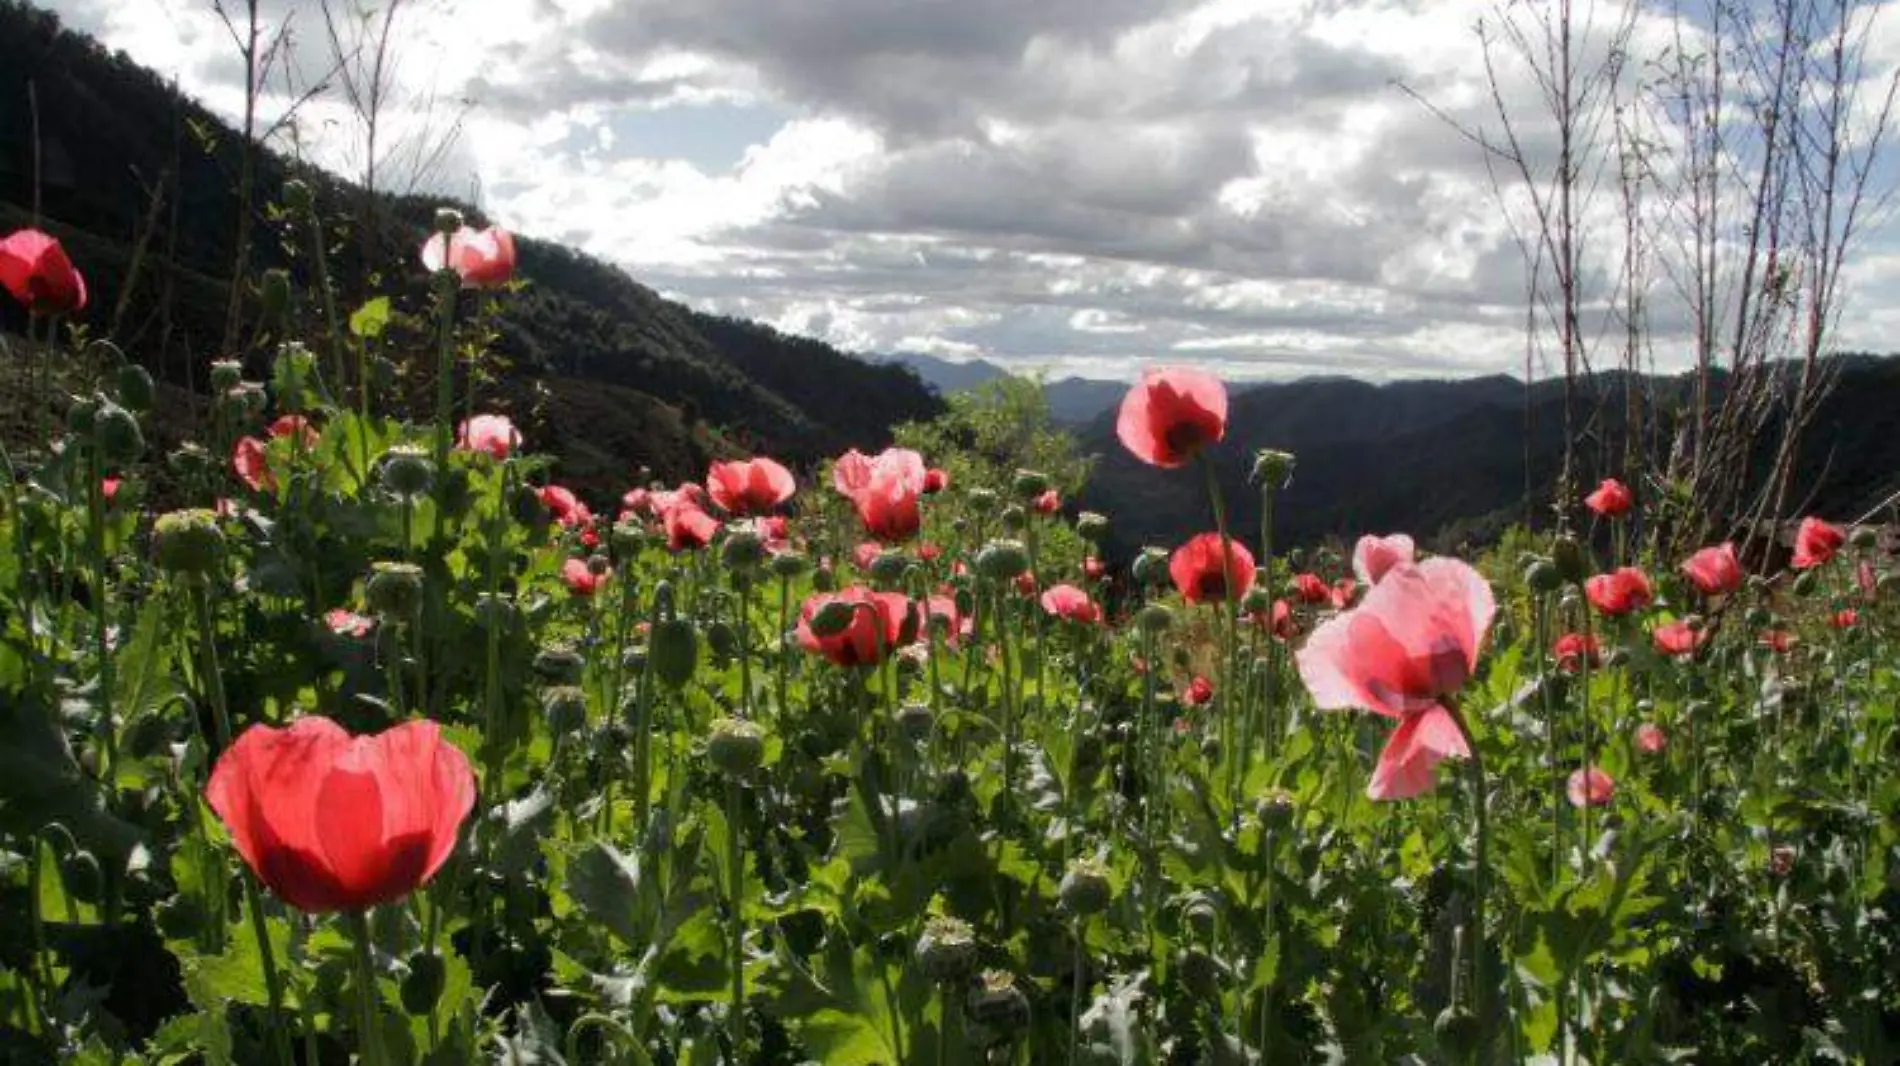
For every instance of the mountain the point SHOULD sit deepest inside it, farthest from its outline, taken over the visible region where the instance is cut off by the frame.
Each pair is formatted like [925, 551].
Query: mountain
[140, 184]
[1075, 401]
[948, 376]
[1072, 400]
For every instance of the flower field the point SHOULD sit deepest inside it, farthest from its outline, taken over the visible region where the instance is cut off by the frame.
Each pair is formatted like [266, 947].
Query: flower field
[340, 737]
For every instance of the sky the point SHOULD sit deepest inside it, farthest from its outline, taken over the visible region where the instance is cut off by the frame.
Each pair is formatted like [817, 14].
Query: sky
[1270, 188]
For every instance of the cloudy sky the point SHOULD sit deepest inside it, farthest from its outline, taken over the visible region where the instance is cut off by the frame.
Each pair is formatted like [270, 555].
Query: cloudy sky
[1080, 186]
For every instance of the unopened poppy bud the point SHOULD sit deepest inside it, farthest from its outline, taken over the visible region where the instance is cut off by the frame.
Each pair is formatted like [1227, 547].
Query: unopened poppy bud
[736, 746]
[982, 499]
[566, 708]
[1014, 517]
[560, 665]
[673, 651]
[297, 196]
[81, 415]
[1085, 888]
[915, 720]
[422, 985]
[1571, 560]
[1543, 576]
[996, 1004]
[959, 524]
[116, 432]
[742, 552]
[1154, 618]
[447, 220]
[1863, 537]
[273, 296]
[408, 472]
[889, 567]
[790, 564]
[1002, 560]
[135, 387]
[947, 951]
[394, 591]
[1759, 618]
[1151, 567]
[187, 542]
[831, 619]
[494, 611]
[225, 375]
[1803, 584]
[1030, 484]
[1274, 808]
[1272, 468]
[1091, 526]
[722, 638]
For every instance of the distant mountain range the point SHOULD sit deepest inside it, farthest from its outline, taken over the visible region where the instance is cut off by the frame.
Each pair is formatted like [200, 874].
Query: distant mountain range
[1072, 400]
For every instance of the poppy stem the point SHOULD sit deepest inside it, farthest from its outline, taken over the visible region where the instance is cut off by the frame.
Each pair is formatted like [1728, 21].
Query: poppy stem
[370, 1044]
[446, 285]
[273, 981]
[735, 860]
[1481, 956]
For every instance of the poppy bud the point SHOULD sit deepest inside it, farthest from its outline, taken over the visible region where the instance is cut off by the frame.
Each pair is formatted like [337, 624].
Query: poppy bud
[559, 664]
[1258, 600]
[1002, 560]
[494, 611]
[736, 747]
[722, 638]
[599, 565]
[1091, 527]
[1803, 584]
[566, 708]
[1151, 567]
[1863, 537]
[394, 591]
[1030, 484]
[1457, 1032]
[1272, 468]
[889, 567]
[1567, 552]
[84, 879]
[673, 650]
[116, 432]
[1274, 808]
[960, 524]
[743, 551]
[1014, 517]
[187, 542]
[422, 985]
[407, 472]
[274, 296]
[1085, 889]
[447, 220]
[225, 375]
[982, 499]
[81, 415]
[297, 196]
[790, 564]
[1543, 576]
[135, 387]
[915, 719]
[832, 619]
[947, 951]
[1154, 619]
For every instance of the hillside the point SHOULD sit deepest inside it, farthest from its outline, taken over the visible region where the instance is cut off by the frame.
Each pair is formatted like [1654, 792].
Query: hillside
[134, 173]
[1072, 401]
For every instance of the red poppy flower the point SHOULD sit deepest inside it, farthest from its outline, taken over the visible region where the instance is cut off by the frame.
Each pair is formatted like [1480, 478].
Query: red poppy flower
[1067, 601]
[1714, 571]
[332, 822]
[1612, 499]
[929, 552]
[1171, 414]
[109, 488]
[1590, 787]
[1650, 738]
[1200, 691]
[35, 269]
[775, 532]
[484, 259]
[1779, 641]
[1049, 502]
[1411, 643]
[1279, 619]
[1619, 592]
[935, 481]
[1678, 638]
[347, 623]
[1845, 618]
[1094, 568]
[1815, 542]
[493, 434]
[1311, 588]
[750, 487]
[1573, 650]
[1026, 583]
[880, 623]
[580, 578]
[1373, 556]
[688, 528]
[1199, 576]
[566, 507]
[884, 489]
[297, 429]
[252, 466]
[1342, 592]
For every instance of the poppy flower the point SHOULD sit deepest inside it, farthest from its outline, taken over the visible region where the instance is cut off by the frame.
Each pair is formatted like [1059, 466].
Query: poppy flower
[1866, 580]
[331, 822]
[1623, 590]
[688, 528]
[1612, 499]
[955, 625]
[1342, 592]
[1171, 414]
[1067, 601]
[1779, 641]
[929, 552]
[1373, 556]
[484, 258]
[252, 466]
[1590, 787]
[493, 434]
[884, 488]
[773, 531]
[109, 488]
[1199, 576]
[35, 269]
[1026, 583]
[1573, 651]
[1781, 859]
[1311, 588]
[1815, 542]
[1048, 503]
[1678, 638]
[1845, 618]
[1650, 739]
[1409, 645]
[880, 623]
[935, 481]
[1094, 568]
[1714, 571]
[1200, 691]
[1278, 619]
[347, 623]
[297, 429]
[750, 487]
[580, 578]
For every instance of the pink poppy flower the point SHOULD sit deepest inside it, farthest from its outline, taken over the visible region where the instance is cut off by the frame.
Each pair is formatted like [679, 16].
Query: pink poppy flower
[580, 578]
[34, 268]
[1171, 414]
[1373, 556]
[884, 489]
[750, 487]
[1815, 542]
[1714, 571]
[1067, 601]
[1590, 787]
[1619, 592]
[1199, 575]
[1612, 499]
[493, 434]
[1650, 738]
[484, 258]
[1574, 651]
[1678, 638]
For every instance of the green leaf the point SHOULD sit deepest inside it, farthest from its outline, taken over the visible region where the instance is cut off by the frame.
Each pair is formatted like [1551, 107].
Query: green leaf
[369, 320]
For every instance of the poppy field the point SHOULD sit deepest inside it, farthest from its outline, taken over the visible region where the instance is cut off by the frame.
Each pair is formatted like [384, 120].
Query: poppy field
[340, 736]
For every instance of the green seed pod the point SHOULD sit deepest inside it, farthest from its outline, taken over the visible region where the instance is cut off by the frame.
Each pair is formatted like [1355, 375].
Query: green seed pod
[297, 196]
[1543, 576]
[226, 374]
[394, 591]
[1154, 618]
[1200, 915]
[947, 951]
[736, 746]
[187, 542]
[982, 500]
[566, 708]
[889, 568]
[1258, 600]
[1091, 527]
[1759, 618]
[790, 564]
[81, 415]
[599, 565]
[559, 664]
[998, 1005]
[1272, 468]
[135, 387]
[1085, 888]
[1864, 537]
[1275, 809]
[1200, 973]
[1014, 517]
[1029, 484]
[743, 552]
[914, 721]
[1803, 584]
[1572, 562]
[628, 539]
[408, 472]
[832, 619]
[447, 220]
[1151, 567]
[723, 639]
[1002, 560]
[422, 985]
[84, 879]
[673, 651]
[116, 431]
[1457, 1032]
[494, 611]
[1210, 749]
